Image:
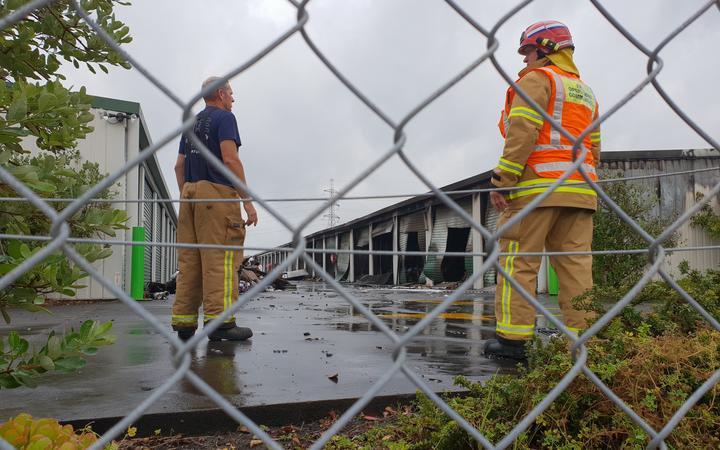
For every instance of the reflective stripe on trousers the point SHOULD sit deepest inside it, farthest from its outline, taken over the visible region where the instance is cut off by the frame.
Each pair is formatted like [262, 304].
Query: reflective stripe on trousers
[506, 322]
[506, 286]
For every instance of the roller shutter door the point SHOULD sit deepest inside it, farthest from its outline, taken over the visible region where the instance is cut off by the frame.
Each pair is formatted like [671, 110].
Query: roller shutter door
[491, 216]
[147, 223]
[157, 251]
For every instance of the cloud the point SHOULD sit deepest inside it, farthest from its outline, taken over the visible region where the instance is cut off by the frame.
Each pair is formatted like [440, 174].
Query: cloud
[301, 126]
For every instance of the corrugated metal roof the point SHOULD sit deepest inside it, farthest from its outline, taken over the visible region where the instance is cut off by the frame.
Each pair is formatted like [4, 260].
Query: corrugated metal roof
[637, 159]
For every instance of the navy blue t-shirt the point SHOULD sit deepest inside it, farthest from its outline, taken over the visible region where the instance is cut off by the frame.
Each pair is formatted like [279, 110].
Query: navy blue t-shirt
[213, 126]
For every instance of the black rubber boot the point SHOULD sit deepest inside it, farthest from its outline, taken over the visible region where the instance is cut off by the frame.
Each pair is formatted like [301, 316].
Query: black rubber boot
[505, 348]
[231, 334]
[185, 333]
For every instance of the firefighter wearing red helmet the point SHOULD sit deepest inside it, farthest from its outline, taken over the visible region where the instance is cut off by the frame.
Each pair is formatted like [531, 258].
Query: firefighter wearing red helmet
[548, 37]
[535, 155]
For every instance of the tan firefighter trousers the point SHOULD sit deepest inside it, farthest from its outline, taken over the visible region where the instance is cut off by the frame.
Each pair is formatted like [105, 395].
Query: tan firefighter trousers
[554, 229]
[207, 276]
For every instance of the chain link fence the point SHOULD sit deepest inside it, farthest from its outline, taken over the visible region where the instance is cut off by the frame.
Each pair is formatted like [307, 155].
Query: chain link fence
[60, 240]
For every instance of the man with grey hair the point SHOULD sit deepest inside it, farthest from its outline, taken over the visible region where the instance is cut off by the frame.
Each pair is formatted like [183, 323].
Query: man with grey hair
[209, 277]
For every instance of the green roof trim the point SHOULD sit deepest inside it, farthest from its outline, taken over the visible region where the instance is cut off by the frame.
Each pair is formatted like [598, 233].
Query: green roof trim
[113, 104]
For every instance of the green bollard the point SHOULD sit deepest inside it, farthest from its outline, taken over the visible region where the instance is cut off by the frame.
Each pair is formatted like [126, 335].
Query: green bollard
[137, 268]
[553, 285]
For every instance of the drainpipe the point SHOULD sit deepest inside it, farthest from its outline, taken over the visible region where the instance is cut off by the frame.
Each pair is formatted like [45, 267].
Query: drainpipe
[337, 247]
[324, 256]
[351, 275]
[477, 240]
[395, 258]
[371, 265]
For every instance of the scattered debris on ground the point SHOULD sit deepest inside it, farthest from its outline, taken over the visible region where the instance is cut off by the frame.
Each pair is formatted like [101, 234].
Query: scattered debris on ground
[250, 274]
[289, 436]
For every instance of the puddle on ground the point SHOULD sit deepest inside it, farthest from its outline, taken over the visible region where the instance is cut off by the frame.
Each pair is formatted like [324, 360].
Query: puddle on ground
[220, 365]
[454, 339]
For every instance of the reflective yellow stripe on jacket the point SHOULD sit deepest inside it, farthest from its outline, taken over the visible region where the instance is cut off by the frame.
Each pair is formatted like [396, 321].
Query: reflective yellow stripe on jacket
[585, 189]
[509, 166]
[526, 113]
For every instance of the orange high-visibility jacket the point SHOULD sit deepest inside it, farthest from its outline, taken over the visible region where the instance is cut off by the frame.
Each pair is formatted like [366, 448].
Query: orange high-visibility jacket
[542, 154]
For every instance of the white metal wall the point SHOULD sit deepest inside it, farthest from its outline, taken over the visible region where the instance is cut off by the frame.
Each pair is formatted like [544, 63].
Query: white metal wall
[107, 146]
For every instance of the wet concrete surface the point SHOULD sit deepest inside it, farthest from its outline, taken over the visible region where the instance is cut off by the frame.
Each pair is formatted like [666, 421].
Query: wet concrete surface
[302, 337]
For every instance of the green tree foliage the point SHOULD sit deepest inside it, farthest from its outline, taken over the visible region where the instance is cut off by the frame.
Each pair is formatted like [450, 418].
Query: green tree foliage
[613, 233]
[707, 219]
[36, 110]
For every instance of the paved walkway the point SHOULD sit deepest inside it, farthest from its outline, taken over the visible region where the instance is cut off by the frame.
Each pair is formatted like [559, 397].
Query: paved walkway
[280, 364]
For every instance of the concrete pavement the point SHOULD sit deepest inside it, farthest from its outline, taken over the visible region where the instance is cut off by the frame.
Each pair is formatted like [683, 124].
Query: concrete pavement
[301, 338]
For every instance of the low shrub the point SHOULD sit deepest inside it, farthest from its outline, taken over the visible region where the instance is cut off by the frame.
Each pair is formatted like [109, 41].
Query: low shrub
[26, 433]
[652, 358]
[22, 365]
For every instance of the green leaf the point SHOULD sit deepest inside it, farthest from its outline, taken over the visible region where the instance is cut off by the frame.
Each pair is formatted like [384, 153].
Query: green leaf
[70, 364]
[46, 362]
[103, 328]
[90, 351]
[34, 307]
[5, 155]
[65, 172]
[54, 346]
[24, 346]
[43, 186]
[25, 250]
[13, 249]
[5, 268]
[25, 380]
[14, 340]
[8, 382]
[18, 109]
[49, 273]
[46, 101]
[86, 117]
[15, 4]
[10, 131]
[86, 328]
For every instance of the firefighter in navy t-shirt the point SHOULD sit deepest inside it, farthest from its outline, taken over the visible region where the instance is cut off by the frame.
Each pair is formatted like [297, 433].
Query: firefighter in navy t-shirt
[209, 277]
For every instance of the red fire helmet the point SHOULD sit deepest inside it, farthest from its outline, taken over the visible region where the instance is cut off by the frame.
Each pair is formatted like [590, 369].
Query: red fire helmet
[548, 36]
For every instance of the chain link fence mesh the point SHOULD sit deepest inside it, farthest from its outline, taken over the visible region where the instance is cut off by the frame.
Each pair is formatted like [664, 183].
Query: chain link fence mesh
[60, 240]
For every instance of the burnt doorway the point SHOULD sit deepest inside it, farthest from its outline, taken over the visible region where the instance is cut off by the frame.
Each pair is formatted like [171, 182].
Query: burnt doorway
[383, 263]
[413, 264]
[453, 267]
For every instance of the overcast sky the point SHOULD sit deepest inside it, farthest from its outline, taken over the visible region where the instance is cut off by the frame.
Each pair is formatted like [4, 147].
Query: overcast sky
[301, 127]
